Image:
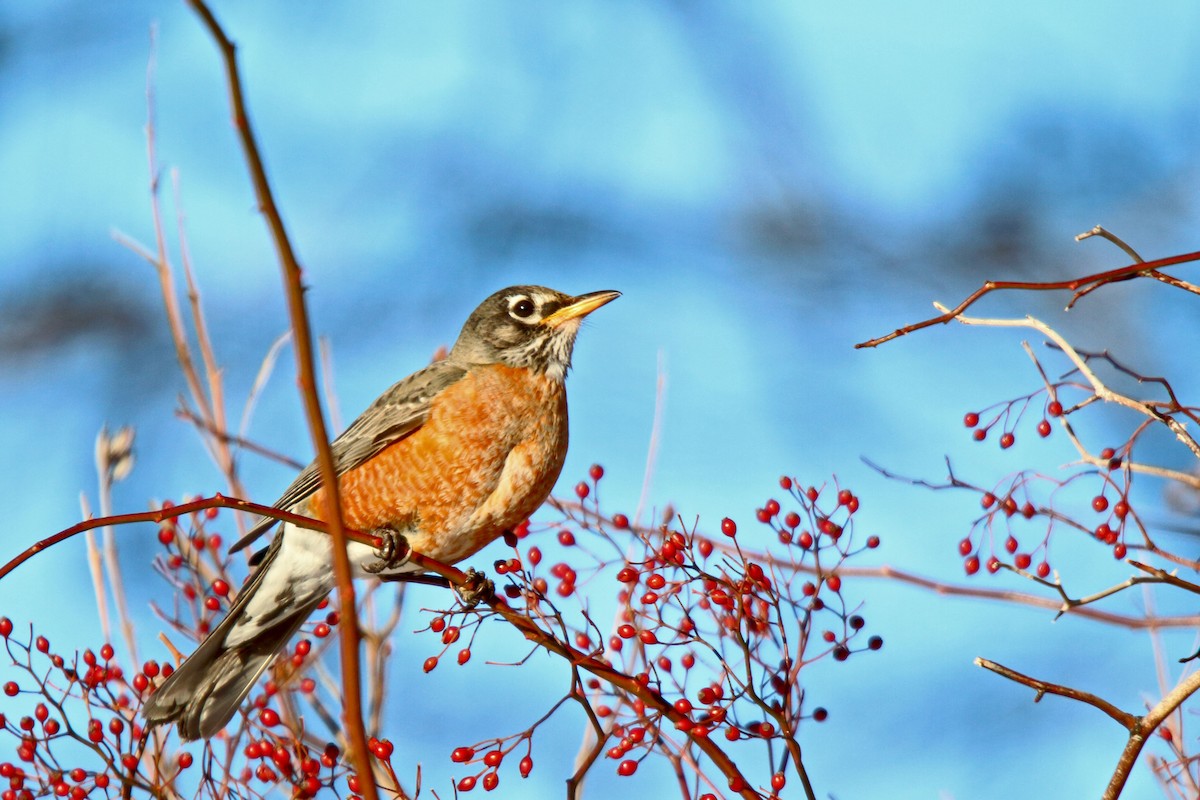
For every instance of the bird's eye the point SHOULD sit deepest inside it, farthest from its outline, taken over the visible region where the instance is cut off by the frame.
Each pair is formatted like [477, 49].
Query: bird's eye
[523, 308]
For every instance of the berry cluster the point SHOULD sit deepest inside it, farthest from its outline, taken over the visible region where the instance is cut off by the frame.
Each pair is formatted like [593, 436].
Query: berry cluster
[993, 540]
[113, 753]
[1008, 414]
[713, 632]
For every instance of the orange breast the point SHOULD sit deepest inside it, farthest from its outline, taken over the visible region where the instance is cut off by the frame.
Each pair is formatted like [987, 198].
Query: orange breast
[486, 458]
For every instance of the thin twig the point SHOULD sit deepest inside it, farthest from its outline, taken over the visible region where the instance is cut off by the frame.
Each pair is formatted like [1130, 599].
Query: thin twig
[1074, 285]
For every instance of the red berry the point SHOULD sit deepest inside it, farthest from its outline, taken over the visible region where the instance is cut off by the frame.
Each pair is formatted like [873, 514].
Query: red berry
[1010, 544]
[582, 490]
[220, 588]
[430, 664]
[11, 689]
[1099, 503]
[566, 538]
[964, 547]
[971, 565]
[1054, 408]
[993, 565]
[971, 420]
[1121, 509]
[844, 497]
[785, 483]
[467, 784]
[834, 583]
[1043, 429]
[596, 472]
[462, 755]
[1119, 552]
[1023, 560]
[6, 627]
[620, 522]
[269, 717]
[728, 527]
[820, 714]
[778, 781]
[705, 547]
[526, 766]
[1107, 453]
[627, 767]
[979, 434]
[988, 500]
[1043, 569]
[1007, 440]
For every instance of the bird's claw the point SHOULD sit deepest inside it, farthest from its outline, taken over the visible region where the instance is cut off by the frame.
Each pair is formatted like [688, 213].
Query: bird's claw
[392, 552]
[478, 588]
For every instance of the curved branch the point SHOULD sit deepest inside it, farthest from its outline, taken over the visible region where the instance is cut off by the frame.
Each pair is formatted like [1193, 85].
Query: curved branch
[161, 514]
[1076, 285]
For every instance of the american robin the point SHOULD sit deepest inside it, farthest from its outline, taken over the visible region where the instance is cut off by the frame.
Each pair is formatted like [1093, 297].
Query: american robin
[449, 458]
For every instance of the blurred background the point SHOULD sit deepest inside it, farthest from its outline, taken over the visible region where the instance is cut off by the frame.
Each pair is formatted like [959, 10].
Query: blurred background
[766, 183]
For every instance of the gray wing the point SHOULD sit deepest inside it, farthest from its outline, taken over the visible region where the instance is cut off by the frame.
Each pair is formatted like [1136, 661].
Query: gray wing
[398, 412]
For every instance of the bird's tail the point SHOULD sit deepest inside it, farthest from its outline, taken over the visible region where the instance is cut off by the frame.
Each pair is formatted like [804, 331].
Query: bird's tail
[207, 689]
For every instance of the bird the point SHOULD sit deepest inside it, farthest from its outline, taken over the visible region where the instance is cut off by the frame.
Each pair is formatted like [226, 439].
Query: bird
[447, 459]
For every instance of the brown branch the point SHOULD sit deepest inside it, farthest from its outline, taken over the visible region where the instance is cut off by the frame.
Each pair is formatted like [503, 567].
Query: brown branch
[183, 412]
[1140, 728]
[348, 630]
[1019, 598]
[1127, 720]
[1074, 285]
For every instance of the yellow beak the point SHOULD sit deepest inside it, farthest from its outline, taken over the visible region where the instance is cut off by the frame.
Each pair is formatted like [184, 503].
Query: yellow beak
[580, 306]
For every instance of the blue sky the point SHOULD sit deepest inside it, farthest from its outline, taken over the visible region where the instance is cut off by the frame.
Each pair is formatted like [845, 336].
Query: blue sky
[767, 185]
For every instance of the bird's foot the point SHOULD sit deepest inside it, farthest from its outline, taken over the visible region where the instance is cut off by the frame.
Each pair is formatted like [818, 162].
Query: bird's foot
[392, 552]
[479, 588]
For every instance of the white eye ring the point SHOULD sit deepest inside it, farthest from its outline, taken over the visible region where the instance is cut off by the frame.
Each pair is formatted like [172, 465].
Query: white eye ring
[521, 307]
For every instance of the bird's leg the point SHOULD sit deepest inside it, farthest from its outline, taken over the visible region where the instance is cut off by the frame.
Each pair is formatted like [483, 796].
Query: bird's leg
[393, 550]
[479, 588]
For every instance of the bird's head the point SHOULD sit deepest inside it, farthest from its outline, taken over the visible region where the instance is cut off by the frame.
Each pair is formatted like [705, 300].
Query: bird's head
[527, 326]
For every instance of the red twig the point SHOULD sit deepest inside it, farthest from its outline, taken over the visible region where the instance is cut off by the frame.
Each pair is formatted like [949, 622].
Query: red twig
[349, 630]
[1075, 285]
[160, 514]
